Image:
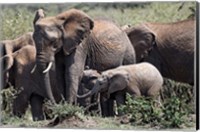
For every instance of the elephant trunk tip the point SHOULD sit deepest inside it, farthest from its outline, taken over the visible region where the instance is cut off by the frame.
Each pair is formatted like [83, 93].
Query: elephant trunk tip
[84, 95]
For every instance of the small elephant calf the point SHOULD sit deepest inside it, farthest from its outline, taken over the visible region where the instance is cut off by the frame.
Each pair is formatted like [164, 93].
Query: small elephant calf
[88, 81]
[136, 79]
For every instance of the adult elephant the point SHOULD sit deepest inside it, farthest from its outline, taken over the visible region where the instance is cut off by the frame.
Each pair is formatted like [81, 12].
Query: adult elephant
[169, 46]
[76, 40]
[27, 84]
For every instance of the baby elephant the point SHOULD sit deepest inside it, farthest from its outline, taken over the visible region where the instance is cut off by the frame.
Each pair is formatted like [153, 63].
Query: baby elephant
[137, 79]
[88, 81]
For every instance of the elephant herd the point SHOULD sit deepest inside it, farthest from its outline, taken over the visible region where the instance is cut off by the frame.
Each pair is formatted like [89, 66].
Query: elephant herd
[75, 57]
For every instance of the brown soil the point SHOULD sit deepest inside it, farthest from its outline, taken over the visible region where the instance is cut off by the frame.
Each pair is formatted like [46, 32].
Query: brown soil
[73, 122]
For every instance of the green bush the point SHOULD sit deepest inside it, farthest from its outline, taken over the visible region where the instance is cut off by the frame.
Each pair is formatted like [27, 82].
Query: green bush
[174, 113]
[8, 95]
[63, 109]
[15, 22]
[142, 110]
[171, 113]
[182, 91]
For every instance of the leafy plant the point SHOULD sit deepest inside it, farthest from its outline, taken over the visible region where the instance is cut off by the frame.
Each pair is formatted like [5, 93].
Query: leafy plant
[63, 109]
[7, 95]
[174, 113]
[142, 110]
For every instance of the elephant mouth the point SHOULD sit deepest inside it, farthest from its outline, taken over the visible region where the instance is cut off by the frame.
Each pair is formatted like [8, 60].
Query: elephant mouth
[68, 52]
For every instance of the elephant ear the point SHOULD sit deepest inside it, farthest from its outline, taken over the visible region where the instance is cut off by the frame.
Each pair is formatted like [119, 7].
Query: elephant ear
[142, 38]
[76, 26]
[38, 15]
[117, 82]
[7, 61]
[141, 34]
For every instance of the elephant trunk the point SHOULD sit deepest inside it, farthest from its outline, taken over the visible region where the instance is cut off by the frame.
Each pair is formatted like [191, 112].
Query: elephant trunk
[45, 80]
[90, 93]
[48, 87]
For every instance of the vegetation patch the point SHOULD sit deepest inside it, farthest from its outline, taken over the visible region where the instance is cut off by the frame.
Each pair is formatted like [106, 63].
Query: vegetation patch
[175, 110]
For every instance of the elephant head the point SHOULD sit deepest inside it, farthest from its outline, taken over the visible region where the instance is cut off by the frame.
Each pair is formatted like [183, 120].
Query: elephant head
[52, 34]
[108, 83]
[9, 49]
[89, 78]
[142, 39]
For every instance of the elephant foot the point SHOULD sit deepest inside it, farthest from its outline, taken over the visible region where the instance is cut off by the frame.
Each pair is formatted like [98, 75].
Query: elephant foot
[36, 103]
[39, 118]
[18, 114]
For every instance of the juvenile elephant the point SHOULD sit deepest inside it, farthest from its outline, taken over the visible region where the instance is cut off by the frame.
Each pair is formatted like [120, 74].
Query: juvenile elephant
[75, 40]
[28, 84]
[8, 47]
[168, 46]
[137, 79]
[87, 83]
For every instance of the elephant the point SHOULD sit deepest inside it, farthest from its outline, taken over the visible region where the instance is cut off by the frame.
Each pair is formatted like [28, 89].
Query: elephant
[73, 40]
[88, 81]
[10, 46]
[141, 79]
[168, 46]
[27, 84]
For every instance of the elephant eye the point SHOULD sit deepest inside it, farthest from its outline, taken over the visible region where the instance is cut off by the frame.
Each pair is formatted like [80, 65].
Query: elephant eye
[100, 83]
[53, 42]
[93, 78]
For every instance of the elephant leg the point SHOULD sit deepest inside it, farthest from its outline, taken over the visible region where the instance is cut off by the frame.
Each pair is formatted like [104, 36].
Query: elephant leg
[110, 104]
[120, 100]
[20, 104]
[36, 102]
[134, 91]
[103, 104]
[74, 67]
[106, 106]
[154, 93]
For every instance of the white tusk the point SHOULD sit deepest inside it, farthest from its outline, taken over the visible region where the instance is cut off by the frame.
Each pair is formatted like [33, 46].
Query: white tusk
[33, 69]
[48, 68]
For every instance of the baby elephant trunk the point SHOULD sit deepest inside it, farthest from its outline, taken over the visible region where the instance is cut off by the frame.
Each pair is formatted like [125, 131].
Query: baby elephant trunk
[90, 93]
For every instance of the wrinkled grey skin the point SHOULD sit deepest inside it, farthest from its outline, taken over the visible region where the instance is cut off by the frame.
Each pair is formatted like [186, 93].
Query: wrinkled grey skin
[137, 79]
[76, 40]
[8, 47]
[169, 47]
[26, 83]
[87, 83]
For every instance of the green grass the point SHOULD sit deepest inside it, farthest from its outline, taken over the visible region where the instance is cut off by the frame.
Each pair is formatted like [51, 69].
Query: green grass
[17, 20]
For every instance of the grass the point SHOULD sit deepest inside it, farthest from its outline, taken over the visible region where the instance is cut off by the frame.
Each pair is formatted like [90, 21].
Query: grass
[17, 19]
[178, 103]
